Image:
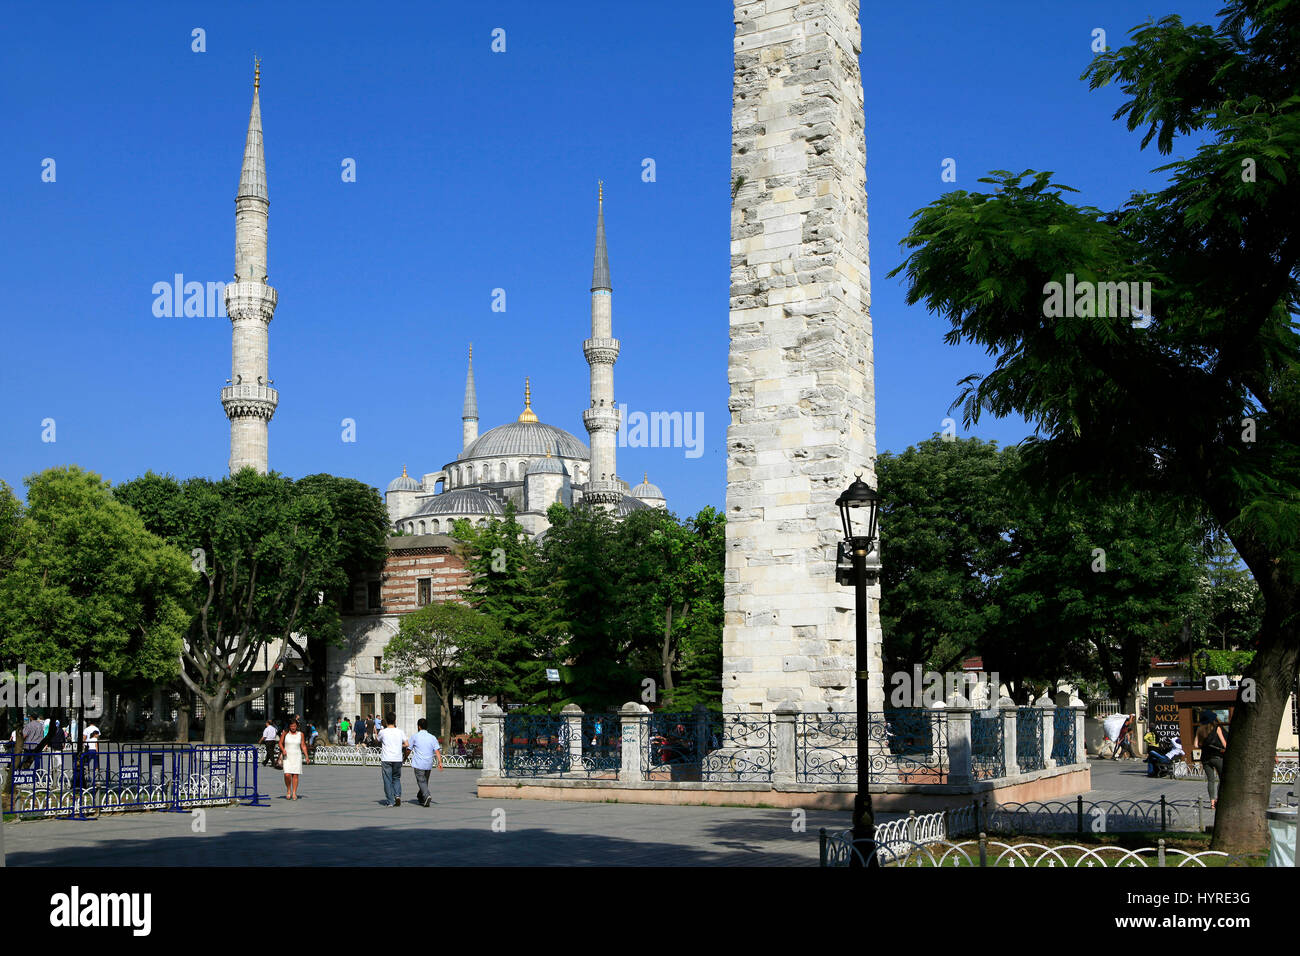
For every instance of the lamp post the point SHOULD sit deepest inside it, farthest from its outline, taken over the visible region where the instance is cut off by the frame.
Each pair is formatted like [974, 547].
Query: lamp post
[860, 499]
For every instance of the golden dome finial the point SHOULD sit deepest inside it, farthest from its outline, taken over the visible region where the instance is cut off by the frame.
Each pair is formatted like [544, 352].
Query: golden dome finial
[471, 351]
[528, 415]
[257, 72]
[600, 190]
[403, 471]
[645, 477]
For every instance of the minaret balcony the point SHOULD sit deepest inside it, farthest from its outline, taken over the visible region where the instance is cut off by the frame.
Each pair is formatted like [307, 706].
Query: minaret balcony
[601, 351]
[246, 299]
[600, 419]
[249, 401]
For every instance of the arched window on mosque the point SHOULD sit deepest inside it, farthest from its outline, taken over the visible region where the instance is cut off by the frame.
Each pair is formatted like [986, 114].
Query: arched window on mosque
[523, 469]
[421, 527]
[433, 525]
[504, 472]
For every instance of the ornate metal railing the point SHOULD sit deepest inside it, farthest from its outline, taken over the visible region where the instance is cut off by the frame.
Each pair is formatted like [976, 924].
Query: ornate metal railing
[839, 849]
[1063, 749]
[1092, 816]
[1283, 771]
[986, 748]
[602, 745]
[1029, 738]
[369, 757]
[709, 746]
[534, 745]
[903, 746]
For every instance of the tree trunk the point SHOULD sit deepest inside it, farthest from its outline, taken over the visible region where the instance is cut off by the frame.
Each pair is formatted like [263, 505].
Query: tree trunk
[444, 702]
[1244, 793]
[666, 650]
[183, 719]
[214, 715]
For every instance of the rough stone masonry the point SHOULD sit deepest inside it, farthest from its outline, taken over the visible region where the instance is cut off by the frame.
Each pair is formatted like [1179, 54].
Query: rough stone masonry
[801, 368]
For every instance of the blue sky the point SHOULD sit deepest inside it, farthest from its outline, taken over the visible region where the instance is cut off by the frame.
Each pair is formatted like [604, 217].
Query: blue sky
[475, 171]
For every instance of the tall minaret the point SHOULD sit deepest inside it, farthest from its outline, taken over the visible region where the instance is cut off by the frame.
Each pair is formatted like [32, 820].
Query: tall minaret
[469, 414]
[601, 351]
[249, 399]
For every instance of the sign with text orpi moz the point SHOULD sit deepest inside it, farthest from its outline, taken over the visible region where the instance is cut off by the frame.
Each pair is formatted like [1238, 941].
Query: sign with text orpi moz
[1163, 713]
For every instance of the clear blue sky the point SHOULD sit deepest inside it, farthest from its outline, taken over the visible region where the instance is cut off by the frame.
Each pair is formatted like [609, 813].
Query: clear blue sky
[475, 170]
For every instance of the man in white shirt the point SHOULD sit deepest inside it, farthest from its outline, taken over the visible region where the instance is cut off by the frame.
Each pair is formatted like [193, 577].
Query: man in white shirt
[424, 748]
[270, 737]
[391, 744]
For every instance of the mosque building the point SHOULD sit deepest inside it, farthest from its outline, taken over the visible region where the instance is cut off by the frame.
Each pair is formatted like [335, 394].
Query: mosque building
[527, 462]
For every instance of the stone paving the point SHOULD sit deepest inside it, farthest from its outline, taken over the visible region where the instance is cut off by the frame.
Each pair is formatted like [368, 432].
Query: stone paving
[340, 822]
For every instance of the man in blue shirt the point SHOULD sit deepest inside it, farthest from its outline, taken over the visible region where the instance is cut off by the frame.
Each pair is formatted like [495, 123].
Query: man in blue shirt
[424, 748]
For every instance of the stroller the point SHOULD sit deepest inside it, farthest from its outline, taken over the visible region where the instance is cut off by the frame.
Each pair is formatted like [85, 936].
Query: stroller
[1162, 756]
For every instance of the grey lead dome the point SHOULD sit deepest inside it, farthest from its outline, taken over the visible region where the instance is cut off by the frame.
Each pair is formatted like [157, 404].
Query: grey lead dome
[526, 438]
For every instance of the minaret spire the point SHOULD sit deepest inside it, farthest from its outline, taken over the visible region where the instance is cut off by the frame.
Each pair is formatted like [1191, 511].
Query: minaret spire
[469, 414]
[249, 400]
[600, 270]
[601, 351]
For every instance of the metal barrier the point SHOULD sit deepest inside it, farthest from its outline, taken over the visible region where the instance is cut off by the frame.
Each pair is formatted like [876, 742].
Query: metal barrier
[840, 850]
[602, 745]
[168, 778]
[987, 754]
[1029, 738]
[534, 745]
[333, 756]
[905, 745]
[1063, 725]
[1103, 816]
[709, 746]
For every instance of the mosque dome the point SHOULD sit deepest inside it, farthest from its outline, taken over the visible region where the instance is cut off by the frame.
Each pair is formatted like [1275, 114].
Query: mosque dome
[403, 482]
[546, 466]
[461, 501]
[527, 439]
[647, 490]
[627, 504]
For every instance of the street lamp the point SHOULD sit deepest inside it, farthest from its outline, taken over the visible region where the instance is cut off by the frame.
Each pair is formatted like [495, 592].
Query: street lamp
[862, 502]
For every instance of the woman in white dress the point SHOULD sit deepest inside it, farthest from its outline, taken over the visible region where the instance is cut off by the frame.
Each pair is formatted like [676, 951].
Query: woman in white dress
[293, 751]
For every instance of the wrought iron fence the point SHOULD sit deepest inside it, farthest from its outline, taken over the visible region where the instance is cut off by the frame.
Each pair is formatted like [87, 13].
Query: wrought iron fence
[602, 745]
[145, 778]
[1063, 748]
[903, 746]
[987, 755]
[1029, 738]
[534, 745]
[1097, 816]
[709, 746]
[1283, 771]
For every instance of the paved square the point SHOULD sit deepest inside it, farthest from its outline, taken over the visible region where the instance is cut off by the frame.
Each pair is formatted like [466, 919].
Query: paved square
[339, 822]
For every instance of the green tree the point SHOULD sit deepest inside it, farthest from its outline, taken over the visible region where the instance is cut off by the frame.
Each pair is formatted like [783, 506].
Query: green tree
[506, 585]
[87, 587]
[1091, 590]
[668, 590]
[431, 645]
[943, 521]
[272, 558]
[1200, 396]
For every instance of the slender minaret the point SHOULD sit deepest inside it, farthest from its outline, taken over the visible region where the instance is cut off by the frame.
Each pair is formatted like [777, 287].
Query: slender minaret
[248, 398]
[601, 351]
[469, 414]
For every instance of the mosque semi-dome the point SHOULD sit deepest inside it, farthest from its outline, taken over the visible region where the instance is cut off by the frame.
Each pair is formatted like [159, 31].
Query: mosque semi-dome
[460, 501]
[546, 466]
[526, 438]
[403, 482]
[627, 504]
[647, 490]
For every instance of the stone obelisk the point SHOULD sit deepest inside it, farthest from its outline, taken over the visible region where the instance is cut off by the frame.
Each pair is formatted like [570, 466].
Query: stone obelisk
[801, 368]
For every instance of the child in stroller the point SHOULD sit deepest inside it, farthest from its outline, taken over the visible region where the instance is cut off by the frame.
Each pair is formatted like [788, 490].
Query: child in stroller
[1162, 756]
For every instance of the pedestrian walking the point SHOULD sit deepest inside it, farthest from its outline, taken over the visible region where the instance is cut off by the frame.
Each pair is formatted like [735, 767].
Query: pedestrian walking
[424, 749]
[33, 741]
[268, 740]
[392, 744]
[345, 731]
[1210, 738]
[293, 751]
